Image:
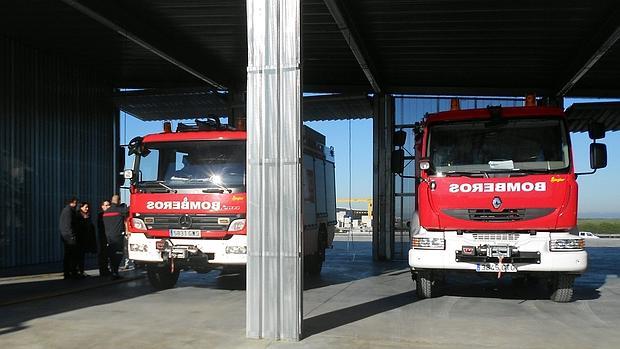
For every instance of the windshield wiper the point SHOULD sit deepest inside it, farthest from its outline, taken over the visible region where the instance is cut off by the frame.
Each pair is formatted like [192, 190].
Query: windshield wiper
[466, 173]
[175, 178]
[161, 183]
[221, 188]
[533, 170]
[519, 171]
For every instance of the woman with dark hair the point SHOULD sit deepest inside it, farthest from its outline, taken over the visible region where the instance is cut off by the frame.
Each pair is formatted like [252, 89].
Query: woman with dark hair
[86, 237]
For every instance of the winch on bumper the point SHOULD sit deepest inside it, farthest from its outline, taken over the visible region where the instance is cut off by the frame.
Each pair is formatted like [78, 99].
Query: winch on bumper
[231, 251]
[493, 254]
[528, 252]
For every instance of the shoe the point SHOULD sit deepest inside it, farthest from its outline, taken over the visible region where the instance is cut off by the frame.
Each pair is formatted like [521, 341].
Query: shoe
[105, 273]
[128, 265]
[116, 277]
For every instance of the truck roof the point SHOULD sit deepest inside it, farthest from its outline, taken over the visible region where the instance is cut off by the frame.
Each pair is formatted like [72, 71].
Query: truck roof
[484, 113]
[223, 135]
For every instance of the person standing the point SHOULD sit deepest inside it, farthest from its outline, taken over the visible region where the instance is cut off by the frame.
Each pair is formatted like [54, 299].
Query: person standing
[114, 224]
[66, 224]
[86, 239]
[102, 242]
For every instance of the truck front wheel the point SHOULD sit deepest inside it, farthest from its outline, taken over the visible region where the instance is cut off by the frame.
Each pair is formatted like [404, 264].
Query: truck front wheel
[561, 288]
[161, 278]
[314, 263]
[425, 284]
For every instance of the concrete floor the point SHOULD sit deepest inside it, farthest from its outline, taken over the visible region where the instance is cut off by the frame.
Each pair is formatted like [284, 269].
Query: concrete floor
[355, 304]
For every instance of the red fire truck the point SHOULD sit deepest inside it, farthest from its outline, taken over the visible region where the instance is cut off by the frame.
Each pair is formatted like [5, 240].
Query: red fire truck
[188, 200]
[497, 195]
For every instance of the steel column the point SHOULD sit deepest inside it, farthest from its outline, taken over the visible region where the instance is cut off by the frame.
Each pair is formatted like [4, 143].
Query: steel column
[274, 270]
[383, 181]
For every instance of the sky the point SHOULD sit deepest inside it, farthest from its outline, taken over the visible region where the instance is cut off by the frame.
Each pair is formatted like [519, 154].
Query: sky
[598, 193]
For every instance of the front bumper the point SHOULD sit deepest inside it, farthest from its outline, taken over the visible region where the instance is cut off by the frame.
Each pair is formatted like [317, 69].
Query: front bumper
[144, 249]
[534, 254]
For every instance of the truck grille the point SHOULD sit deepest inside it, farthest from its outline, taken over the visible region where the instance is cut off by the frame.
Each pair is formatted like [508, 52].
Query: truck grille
[173, 221]
[505, 237]
[506, 215]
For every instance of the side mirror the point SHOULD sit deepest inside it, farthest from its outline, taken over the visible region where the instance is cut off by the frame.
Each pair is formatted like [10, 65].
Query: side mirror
[598, 155]
[399, 138]
[596, 130]
[398, 161]
[120, 163]
[134, 146]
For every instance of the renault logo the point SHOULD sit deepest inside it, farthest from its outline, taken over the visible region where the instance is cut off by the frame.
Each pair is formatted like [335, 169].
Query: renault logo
[497, 202]
[185, 221]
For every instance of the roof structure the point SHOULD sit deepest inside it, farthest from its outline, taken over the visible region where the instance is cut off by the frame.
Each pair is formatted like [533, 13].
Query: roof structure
[479, 48]
[171, 104]
[190, 49]
[580, 115]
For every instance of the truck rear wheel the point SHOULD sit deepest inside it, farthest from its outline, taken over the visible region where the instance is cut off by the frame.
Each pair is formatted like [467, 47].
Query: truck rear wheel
[425, 284]
[313, 264]
[161, 278]
[562, 288]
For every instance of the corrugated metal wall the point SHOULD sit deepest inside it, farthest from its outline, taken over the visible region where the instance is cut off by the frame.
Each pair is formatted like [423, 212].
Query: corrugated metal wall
[56, 140]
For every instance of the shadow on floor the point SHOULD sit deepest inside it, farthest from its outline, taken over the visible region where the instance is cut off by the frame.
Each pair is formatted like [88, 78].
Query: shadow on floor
[15, 316]
[340, 317]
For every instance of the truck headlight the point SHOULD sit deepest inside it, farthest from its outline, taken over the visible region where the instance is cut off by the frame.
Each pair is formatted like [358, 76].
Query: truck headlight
[428, 243]
[236, 249]
[138, 223]
[237, 225]
[567, 244]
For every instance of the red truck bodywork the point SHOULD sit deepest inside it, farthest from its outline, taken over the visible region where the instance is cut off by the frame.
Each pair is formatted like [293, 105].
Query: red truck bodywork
[559, 194]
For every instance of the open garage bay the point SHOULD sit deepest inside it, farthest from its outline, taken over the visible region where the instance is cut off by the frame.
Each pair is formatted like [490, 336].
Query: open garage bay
[355, 304]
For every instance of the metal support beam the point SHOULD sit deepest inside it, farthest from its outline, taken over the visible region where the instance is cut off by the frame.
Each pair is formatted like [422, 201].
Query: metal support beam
[351, 35]
[274, 223]
[383, 179]
[595, 48]
[132, 28]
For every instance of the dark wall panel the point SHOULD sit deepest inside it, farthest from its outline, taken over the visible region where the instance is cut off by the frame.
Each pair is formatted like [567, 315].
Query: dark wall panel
[56, 141]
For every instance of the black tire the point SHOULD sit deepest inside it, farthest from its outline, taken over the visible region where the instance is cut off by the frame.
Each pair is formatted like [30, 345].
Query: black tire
[562, 288]
[313, 264]
[424, 284]
[161, 278]
[519, 281]
[237, 269]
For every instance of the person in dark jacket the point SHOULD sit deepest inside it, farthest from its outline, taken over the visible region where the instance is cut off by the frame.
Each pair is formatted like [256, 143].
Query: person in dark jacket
[102, 242]
[114, 223]
[86, 239]
[66, 224]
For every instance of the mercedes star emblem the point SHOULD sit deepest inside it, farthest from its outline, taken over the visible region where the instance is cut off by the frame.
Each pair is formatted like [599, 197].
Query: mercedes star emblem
[185, 221]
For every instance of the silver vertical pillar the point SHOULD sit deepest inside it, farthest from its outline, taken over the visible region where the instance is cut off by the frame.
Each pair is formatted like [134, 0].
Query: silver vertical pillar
[274, 274]
[383, 179]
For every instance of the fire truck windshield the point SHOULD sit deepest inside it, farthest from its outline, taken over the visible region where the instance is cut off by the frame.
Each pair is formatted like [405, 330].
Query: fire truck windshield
[217, 165]
[513, 145]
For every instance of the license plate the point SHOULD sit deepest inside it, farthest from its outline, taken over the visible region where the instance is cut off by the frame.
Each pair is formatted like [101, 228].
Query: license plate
[184, 233]
[495, 267]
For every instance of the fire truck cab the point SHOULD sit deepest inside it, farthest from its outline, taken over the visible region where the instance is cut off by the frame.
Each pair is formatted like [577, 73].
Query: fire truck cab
[188, 200]
[497, 195]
